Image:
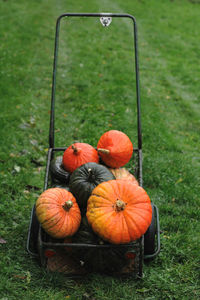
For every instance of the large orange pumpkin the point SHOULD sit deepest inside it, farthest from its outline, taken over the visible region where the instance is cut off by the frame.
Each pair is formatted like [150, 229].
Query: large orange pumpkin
[58, 212]
[119, 211]
[78, 154]
[115, 148]
[122, 173]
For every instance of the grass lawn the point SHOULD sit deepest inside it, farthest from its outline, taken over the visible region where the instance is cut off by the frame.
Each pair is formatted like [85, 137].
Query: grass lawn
[95, 93]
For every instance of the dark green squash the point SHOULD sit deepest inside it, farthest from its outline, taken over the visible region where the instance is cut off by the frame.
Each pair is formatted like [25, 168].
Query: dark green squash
[109, 260]
[97, 259]
[61, 186]
[85, 234]
[105, 260]
[85, 178]
[57, 171]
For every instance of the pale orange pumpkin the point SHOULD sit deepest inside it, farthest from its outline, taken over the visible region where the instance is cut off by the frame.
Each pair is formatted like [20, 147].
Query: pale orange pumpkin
[122, 173]
[78, 154]
[115, 148]
[119, 211]
[58, 212]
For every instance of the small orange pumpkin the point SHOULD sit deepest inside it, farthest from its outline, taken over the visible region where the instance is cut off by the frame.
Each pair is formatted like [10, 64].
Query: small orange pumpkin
[115, 148]
[78, 154]
[119, 211]
[58, 212]
[122, 173]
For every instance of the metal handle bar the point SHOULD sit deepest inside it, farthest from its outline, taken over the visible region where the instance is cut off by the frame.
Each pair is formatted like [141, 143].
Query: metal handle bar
[113, 15]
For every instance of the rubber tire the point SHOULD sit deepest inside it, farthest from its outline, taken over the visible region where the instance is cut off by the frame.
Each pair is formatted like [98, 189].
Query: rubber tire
[34, 231]
[149, 236]
[58, 173]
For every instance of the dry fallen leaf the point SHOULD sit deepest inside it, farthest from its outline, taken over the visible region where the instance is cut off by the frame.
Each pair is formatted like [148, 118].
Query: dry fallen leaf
[13, 155]
[2, 241]
[34, 142]
[32, 187]
[17, 168]
[179, 180]
[24, 125]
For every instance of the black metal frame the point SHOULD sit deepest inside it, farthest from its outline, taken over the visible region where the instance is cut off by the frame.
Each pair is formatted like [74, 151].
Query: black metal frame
[43, 243]
[52, 116]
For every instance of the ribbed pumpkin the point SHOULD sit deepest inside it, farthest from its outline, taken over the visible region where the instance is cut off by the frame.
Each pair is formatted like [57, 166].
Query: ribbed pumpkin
[115, 148]
[119, 211]
[78, 154]
[85, 178]
[122, 173]
[58, 212]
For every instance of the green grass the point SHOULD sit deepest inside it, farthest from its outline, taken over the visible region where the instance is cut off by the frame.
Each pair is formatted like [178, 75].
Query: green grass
[95, 93]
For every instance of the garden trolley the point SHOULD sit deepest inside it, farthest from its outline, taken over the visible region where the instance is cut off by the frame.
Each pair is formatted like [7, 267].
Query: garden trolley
[58, 255]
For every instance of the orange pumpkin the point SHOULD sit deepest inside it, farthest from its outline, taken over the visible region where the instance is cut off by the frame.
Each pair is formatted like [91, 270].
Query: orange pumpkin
[124, 174]
[115, 148]
[58, 212]
[119, 211]
[78, 154]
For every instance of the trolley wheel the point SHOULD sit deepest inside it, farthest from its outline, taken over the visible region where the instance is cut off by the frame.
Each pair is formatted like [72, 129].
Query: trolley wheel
[34, 231]
[58, 173]
[149, 236]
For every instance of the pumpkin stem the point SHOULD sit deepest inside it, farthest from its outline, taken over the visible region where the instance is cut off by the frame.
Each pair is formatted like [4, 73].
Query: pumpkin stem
[104, 151]
[76, 150]
[67, 205]
[91, 175]
[120, 205]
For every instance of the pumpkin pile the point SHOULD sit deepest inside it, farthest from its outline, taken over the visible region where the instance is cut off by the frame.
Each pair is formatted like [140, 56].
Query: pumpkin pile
[94, 198]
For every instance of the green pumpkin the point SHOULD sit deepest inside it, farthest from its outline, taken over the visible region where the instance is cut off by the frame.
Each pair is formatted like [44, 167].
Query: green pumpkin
[111, 260]
[61, 186]
[85, 178]
[106, 260]
[85, 234]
